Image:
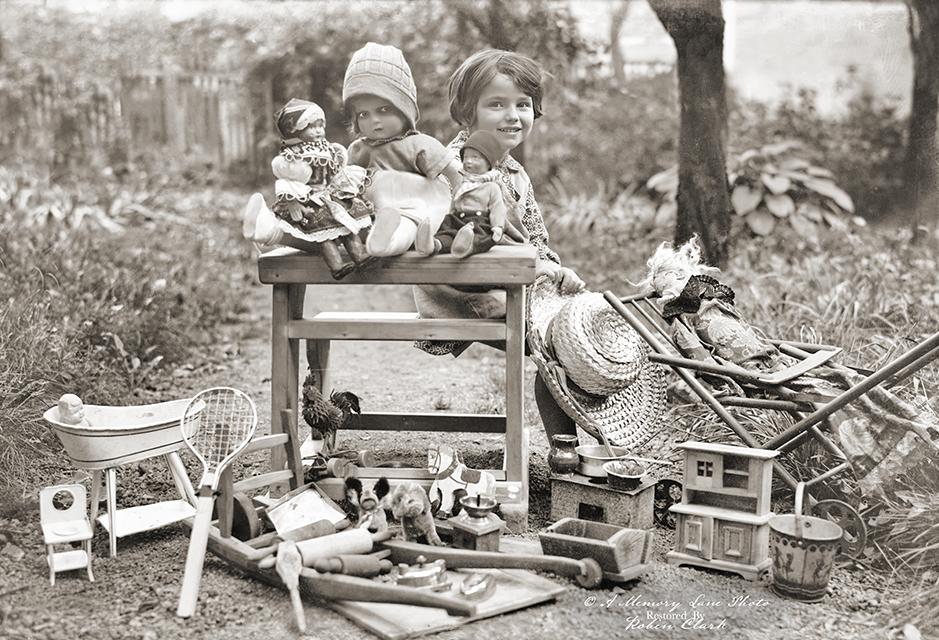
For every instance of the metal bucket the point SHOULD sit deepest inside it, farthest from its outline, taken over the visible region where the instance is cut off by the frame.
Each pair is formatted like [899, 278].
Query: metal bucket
[803, 550]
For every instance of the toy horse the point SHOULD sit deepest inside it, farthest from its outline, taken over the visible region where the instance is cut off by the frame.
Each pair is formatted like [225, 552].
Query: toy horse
[454, 480]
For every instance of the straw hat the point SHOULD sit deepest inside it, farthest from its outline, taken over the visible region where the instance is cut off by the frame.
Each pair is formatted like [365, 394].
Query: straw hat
[607, 354]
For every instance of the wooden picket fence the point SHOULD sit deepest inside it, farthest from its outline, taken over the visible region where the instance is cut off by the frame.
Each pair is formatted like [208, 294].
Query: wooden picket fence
[203, 116]
[198, 114]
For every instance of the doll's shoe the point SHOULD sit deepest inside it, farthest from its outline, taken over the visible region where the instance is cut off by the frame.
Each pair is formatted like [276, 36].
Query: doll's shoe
[383, 230]
[260, 224]
[462, 246]
[424, 242]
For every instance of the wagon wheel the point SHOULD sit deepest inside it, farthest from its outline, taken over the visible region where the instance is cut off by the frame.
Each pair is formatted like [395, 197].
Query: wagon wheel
[843, 515]
[667, 493]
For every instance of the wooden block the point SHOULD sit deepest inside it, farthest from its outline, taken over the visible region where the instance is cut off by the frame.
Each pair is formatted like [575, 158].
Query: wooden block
[578, 497]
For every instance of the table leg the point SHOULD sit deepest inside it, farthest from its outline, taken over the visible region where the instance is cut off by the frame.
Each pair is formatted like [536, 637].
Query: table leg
[180, 477]
[97, 479]
[111, 482]
[516, 432]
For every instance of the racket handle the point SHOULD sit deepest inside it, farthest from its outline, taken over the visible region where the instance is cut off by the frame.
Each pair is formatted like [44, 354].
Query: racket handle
[192, 578]
[298, 612]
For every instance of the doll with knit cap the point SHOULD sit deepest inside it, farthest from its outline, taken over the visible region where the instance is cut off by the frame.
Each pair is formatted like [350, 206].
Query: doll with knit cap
[404, 165]
[319, 201]
[477, 219]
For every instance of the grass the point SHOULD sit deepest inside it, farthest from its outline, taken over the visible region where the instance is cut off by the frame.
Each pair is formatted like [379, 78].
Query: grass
[107, 315]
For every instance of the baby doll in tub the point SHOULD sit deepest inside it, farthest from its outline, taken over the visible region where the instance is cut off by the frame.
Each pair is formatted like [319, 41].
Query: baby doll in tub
[319, 201]
[710, 323]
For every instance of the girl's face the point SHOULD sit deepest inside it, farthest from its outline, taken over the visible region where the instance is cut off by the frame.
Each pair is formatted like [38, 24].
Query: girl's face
[377, 118]
[314, 131]
[504, 110]
[474, 161]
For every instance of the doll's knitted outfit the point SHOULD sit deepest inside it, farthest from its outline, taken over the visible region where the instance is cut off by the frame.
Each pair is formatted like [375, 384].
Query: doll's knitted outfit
[381, 71]
[442, 301]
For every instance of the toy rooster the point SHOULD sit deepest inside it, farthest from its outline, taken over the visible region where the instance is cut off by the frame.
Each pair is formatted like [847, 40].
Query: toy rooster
[326, 417]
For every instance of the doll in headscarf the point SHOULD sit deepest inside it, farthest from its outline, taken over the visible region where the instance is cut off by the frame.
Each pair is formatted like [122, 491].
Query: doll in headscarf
[318, 196]
[710, 323]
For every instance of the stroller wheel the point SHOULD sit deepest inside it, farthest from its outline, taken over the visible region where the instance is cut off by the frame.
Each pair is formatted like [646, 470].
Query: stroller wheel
[844, 515]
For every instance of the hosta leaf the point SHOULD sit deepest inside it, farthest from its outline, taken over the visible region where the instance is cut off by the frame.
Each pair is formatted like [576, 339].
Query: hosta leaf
[780, 147]
[829, 189]
[780, 206]
[761, 222]
[777, 184]
[809, 210]
[793, 164]
[664, 181]
[666, 213]
[804, 227]
[819, 172]
[795, 175]
[745, 198]
[835, 221]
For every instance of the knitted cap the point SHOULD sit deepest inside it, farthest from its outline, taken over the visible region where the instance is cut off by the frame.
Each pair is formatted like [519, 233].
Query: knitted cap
[486, 143]
[297, 115]
[381, 70]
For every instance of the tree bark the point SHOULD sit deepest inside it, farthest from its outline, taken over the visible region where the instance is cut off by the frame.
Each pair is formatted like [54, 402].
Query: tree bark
[697, 28]
[922, 156]
[616, 49]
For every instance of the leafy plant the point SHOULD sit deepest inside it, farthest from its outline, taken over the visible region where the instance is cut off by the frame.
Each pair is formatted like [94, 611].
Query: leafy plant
[770, 186]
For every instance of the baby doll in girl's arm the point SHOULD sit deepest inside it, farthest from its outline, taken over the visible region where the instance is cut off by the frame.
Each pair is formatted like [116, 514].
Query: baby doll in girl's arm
[477, 219]
[404, 165]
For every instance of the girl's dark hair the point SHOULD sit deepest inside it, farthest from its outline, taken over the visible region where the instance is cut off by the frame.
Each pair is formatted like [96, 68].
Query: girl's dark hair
[477, 71]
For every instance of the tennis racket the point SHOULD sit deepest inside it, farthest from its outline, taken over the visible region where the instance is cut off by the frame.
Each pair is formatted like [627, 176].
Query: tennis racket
[217, 425]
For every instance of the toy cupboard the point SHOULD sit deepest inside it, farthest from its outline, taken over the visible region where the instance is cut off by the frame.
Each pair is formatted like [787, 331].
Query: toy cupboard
[722, 521]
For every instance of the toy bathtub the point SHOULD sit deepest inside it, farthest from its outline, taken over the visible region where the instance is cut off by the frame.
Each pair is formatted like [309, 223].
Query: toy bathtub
[115, 435]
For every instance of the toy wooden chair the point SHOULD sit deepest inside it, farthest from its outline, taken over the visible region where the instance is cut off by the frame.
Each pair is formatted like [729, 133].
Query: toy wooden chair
[63, 526]
[776, 391]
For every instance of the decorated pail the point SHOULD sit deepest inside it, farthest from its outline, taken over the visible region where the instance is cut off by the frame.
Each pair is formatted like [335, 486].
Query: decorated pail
[803, 550]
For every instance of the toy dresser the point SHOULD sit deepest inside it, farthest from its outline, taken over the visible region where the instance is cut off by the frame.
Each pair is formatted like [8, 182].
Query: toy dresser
[504, 267]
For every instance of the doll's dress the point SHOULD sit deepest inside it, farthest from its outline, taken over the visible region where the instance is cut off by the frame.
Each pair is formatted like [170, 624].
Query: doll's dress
[712, 325]
[330, 192]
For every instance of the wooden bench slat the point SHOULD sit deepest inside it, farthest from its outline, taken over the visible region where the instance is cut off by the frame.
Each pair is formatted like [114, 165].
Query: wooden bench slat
[440, 422]
[504, 264]
[341, 327]
[263, 480]
[265, 442]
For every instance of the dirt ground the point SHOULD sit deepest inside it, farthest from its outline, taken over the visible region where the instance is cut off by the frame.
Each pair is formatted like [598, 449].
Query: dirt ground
[135, 593]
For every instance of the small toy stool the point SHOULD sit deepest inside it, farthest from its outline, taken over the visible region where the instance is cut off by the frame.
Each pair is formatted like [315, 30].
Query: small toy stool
[62, 526]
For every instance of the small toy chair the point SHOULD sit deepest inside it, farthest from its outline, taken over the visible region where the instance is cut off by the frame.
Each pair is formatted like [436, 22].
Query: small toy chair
[61, 526]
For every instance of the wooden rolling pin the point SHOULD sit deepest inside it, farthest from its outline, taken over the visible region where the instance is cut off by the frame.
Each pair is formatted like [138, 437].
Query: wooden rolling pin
[339, 587]
[307, 531]
[364, 566]
[349, 541]
[587, 572]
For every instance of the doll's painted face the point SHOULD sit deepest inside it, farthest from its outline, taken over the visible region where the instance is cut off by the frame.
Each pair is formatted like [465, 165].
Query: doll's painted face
[316, 130]
[377, 118]
[506, 111]
[474, 162]
[670, 279]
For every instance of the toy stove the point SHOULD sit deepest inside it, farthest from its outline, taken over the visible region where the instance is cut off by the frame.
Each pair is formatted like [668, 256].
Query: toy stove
[588, 498]
[723, 519]
[477, 528]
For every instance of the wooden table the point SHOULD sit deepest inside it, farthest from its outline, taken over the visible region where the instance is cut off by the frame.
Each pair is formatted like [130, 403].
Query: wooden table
[504, 267]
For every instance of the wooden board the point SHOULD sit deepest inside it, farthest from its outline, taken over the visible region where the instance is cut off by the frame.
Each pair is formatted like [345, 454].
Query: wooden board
[515, 589]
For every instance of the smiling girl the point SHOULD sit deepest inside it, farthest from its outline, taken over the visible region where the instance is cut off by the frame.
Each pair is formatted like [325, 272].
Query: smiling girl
[500, 92]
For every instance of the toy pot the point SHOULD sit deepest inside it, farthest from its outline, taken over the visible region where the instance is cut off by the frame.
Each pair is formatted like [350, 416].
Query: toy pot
[478, 507]
[563, 458]
[803, 550]
[619, 478]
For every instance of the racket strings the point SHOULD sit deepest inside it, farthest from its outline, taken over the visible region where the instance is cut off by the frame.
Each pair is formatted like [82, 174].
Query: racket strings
[225, 422]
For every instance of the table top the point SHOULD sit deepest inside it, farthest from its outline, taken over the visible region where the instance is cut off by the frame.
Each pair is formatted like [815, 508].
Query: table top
[506, 265]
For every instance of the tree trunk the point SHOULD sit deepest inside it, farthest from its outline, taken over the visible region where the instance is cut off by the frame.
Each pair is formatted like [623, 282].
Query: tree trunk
[697, 28]
[616, 49]
[922, 156]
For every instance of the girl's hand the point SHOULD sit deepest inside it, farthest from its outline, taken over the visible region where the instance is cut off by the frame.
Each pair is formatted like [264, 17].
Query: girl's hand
[568, 281]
